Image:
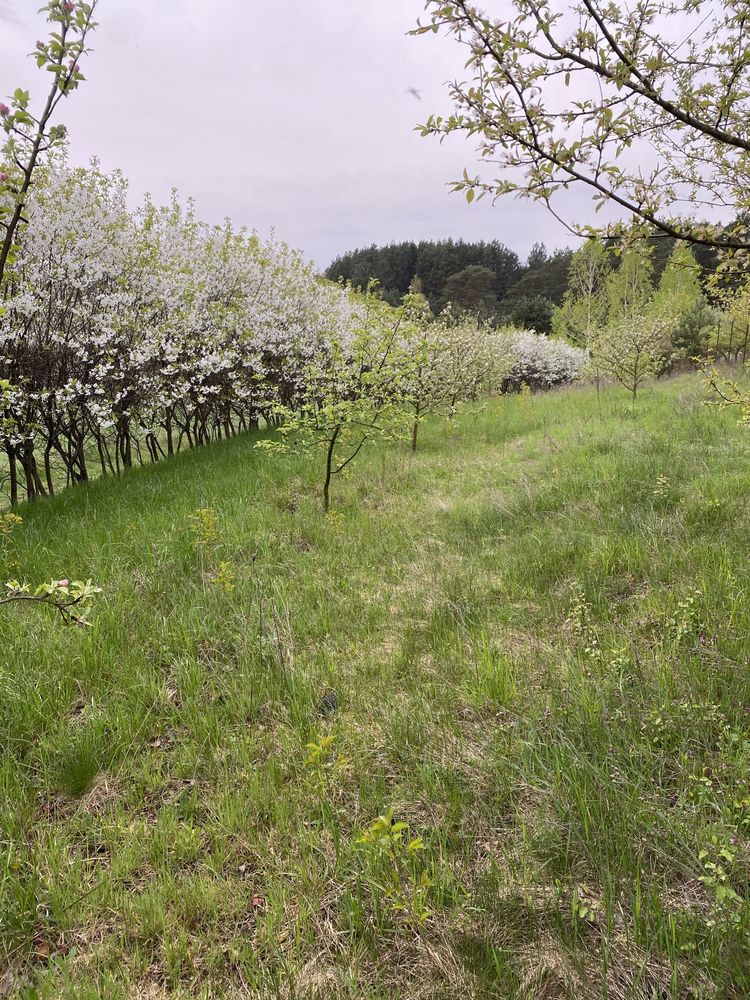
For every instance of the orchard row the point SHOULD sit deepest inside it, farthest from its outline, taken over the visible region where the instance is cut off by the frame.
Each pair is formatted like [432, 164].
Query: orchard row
[127, 335]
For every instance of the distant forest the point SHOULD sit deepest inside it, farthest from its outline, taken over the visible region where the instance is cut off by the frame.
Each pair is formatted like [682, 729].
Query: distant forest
[486, 278]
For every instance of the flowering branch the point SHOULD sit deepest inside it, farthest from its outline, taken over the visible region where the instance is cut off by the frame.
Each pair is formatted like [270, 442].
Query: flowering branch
[29, 137]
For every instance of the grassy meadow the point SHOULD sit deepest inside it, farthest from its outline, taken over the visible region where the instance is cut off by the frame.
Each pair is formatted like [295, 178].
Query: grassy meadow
[528, 643]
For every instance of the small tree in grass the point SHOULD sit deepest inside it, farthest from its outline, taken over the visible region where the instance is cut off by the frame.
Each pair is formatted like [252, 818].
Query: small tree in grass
[452, 361]
[634, 346]
[632, 350]
[351, 391]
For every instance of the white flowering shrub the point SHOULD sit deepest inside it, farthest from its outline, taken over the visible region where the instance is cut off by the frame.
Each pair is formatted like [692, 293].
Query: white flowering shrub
[126, 336]
[542, 363]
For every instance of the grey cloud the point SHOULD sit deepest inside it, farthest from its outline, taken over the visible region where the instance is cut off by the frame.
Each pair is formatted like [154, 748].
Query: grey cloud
[300, 120]
[9, 14]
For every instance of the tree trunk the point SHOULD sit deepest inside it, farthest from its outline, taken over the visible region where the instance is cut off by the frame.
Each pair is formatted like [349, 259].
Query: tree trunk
[170, 439]
[13, 471]
[34, 487]
[48, 470]
[329, 471]
[102, 458]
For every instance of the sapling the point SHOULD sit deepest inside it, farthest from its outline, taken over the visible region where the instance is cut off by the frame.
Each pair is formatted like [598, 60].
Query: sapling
[393, 867]
[452, 360]
[206, 540]
[8, 523]
[351, 392]
[633, 349]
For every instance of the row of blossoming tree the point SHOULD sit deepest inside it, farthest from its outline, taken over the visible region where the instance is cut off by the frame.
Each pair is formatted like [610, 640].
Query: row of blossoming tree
[126, 336]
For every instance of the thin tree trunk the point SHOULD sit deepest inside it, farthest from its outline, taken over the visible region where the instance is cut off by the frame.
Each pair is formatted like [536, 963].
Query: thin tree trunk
[102, 459]
[48, 469]
[13, 471]
[170, 439]
[329, 471]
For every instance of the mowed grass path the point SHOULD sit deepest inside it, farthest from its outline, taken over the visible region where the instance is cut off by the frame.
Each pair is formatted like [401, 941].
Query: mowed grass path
[530, 641]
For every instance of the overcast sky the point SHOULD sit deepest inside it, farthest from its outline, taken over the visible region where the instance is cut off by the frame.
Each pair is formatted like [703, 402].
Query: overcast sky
[294, 116]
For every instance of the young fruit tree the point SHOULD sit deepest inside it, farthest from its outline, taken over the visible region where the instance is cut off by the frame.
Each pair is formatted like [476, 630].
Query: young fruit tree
[452, 359]
[351, 390]
[633, 349]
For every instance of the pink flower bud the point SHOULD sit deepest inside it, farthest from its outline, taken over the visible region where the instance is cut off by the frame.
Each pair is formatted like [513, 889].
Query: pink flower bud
[4, 178]
[63, 583]
[41, 46]
[69, 6]
[4, 110]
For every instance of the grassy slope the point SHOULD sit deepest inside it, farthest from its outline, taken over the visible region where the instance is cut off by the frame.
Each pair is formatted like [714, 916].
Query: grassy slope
[537, 632]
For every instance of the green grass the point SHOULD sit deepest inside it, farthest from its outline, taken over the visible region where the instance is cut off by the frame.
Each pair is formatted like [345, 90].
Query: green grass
[530, 641]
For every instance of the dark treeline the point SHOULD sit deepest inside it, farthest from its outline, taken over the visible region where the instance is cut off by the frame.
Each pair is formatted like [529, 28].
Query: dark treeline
[487, 278]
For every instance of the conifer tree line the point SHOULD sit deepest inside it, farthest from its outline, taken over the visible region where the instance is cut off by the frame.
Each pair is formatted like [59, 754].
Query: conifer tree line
[488, 277]
[485, 277]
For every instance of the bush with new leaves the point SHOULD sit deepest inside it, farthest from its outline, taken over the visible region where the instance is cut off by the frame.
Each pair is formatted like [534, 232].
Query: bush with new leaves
[633, 350]
[351, 389]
